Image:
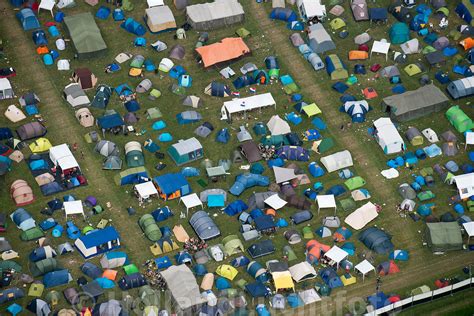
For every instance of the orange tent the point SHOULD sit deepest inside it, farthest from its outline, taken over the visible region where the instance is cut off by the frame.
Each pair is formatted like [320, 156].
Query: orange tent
[358, 55]
[225, 50]
[110, 274]
[467, 43]
[271, 212]
[314, 249]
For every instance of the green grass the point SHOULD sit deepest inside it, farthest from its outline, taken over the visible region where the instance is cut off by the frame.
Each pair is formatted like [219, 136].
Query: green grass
[404, 231]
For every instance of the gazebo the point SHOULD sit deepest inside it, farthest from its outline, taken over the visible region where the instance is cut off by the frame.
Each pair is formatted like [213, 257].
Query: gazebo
[326, 201]
[190, 201]
[365, 267]
[380, 47]
[73, 208]
[469, 228]
[275, 202]
[336, 254]
[145, 190]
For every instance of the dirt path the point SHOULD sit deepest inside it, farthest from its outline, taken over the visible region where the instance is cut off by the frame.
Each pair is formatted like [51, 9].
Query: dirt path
[306, 78]
[60, 121]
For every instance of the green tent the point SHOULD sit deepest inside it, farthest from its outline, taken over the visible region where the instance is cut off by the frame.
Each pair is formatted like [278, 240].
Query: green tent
[36, 290]
[148, 296]
[127, 5]
[9, 265]
[326, 144]
[243, 32]
[428, 49]
[31, 234]
[399, 33]
[307, 233]
[337, 24]
[130, 269]
[153, 113]
[232, 245]
[85, 35]
[443, 236]
[135, 158]
[53, 297]
[420, 290]
[348, 204]
[425, 195]
[355, 183]
[43, 266]
[274, 73]
[413, 69]
[289, 253]
[459, 119]
[148, 225]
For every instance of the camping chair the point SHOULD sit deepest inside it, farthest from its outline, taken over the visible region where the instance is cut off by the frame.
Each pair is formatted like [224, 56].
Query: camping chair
[47, 5]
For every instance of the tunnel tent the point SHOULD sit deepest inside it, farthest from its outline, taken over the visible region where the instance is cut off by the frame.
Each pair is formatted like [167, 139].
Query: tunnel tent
[28, 19]
[283, 14]
[319, 39]
[150, 228]
[85, 35]
[215, 15]
[335, 67]
[339, 160]
[461, 88]
[360, 10]
[459, 119]
[376, 240]
[399, 33]
[414, 136]
[204, 226]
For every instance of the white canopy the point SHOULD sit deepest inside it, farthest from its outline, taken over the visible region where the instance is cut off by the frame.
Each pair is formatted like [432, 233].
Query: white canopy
[283, 174]
[469, 139]
[154, 3]
[190, 201]
[73, 208]
[469, 228]
[380, 47]
[146, 189]
[238, 105]
[364, 267]
[275, 202]
[326, 201]
[62, 156]
[362, 216]
[278, 126]
[465, 185]
[336, 254]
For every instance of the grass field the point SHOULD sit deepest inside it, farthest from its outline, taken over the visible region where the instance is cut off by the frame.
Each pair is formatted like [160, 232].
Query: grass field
[268, 38]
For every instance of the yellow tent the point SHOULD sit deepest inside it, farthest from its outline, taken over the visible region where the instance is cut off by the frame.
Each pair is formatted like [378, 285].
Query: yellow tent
[312, 109]
[40, 145]
[227, 271]
[348, 279]
[283, 280]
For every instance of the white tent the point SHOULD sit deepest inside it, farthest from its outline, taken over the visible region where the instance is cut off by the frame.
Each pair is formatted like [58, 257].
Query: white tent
[14, 114]
[309, 9]
[278, 126]
[73, 208]
[190, 201]
[380, 47]
[465, 185]
[469, 138]
[159, 19]
[309, 296]
[430, 135]
[6, 90]
[63, 64]
[154, 3]
[411, 46]
[283, 174]
[146, 190]
[387, 136]
[275, 202]
[326, 201]
[339, 160]
[336, 254]
[362, 216]
[302, 271]
[365, 267]
[240, 105]
[62, 156]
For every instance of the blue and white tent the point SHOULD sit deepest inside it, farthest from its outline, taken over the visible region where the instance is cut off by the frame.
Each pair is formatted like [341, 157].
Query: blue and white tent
[357, 110]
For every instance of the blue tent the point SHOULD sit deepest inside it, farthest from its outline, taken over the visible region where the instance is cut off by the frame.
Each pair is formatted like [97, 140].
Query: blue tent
[401, 255]
[172, 183]
[110, 121]
[190, 172]
[330, 277]
[262, 310]
[102, 13]
[188, 117]
[165, 137]
[236, 207]
[118, 15]
[340, 87]
[139, 42]
[185, 81]
[223, 136]
[163, 262]
[293, 153]
[200, 269]
[51, 188]
[357, 110]
[243, 81]
[222, 284]
[283, 14]
[315, 169]
[28, 19]
[132, 106]
[465, 11]
[241, 261]
[295, 26]
[48, 59]
[105, 283]
[257, 289]
[53, 31]
[162, 214]
[5, 133]
[133, 27]
[176, 71]
[11, 294]
[91, 270]
[39, 38]
[399, 33]
[56, 278]
[294, 300]
[183, 257]
[248, 180]
[336, 190]
[281, 223]
[132, 281]
[40, 164]
[378, 300]
[17, 3]
[40, 254]
[264, 222]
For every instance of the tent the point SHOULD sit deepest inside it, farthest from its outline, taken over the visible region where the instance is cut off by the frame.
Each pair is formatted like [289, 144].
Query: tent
[56, 278]
[85, 35]
[39, 307]
[360, 10]
[134, 154]
[192, 101]
[204, 226]
[414, 136]
[97, 242]
[461, 88]
[302, 271]
[261, 249]
[465, 10]
[337, 24]
[21, 193]
[226, 50]
[443, 236]
[75, 96]
[283, 14]
[250, 151]
[214, 15]
[399, 33]
[339, 160]
[186, 151]
[465, 185]
[31, 130]
[132, 281]
[181, 282]
[387, 267]
[14, 114]
[217, 89]
[387, 136]
[150, 228]
[330, 277]
[22, 219]
[106, 148]
[159, 19]
[134, 27]
[319, 39]
[240, 105]
[362, 216]
[28, 19]
[172, 185]
[416, 103]
[277, 126]
[357, 110]
[248, 180]
[335, 67]
[85, 118]
[311, 9]
[459, 119]
[113, 259]
[6, 90]
[85, 78]
[376, 240]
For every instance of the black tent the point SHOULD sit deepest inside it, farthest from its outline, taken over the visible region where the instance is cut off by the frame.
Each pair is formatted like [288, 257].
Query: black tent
[91, 270]
[132, 281]
[261, 249]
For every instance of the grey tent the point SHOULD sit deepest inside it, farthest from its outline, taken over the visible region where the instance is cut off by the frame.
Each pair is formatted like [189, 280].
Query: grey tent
[130, 118]
[296, 39]
[71, 295]
[106, 148]
[436, 4]
[31, 130]
[243, 135]
[416, 103]
[362, 38]
[261, 249]
[435, 58]
[177, 52]
[181, 282]
[4, 245]
[257, 200]
[181, 4]
[389, 72]
[112, 163]
[91, 270]
[204, 194]
[449, 149]
[29, 99]
[449, 136]
[193, 101]
[406, 191]
[248, 67]
[250, 150]
[360, 10]
[376, 240]
[214, 15]
[85, 35]
[411, 47]
[414, 136]
[237, 157]
[204, 130]
[204, 226]
[443, 236]
[144, 86]
[109, 308]
[159, 46]
[319, 39]
[65, 248]
[441, 43]
[461, 88]
[315, 61]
